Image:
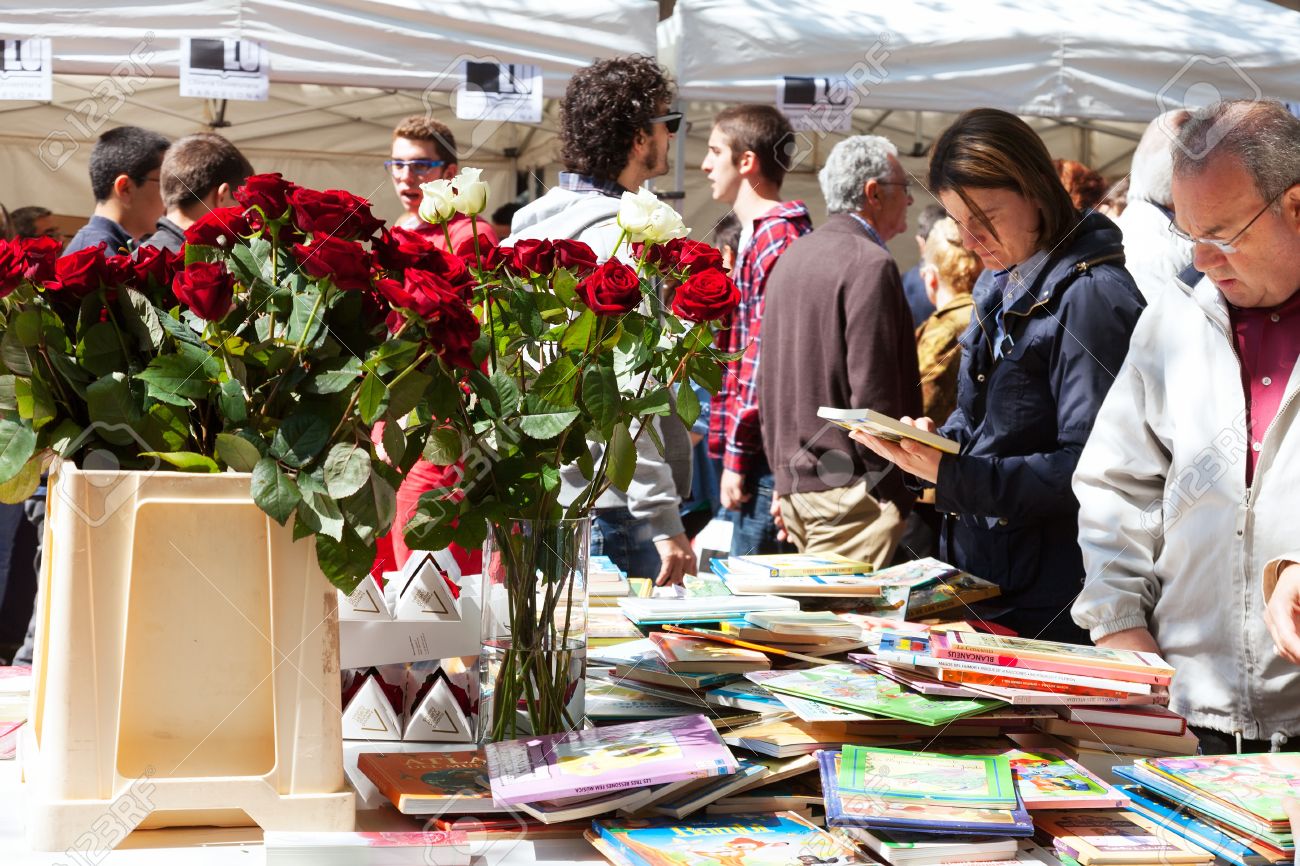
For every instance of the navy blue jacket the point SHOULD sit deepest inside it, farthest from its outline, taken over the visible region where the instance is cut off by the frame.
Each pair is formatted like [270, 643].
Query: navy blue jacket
[1010, 515]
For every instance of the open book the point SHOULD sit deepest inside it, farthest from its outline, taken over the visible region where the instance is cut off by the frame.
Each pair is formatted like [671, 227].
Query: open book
[885, 427]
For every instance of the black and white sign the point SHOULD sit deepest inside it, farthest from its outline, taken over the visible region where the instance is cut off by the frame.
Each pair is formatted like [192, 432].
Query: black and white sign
[26, 70]
[500, 91]
[817, 104]
[225, 69]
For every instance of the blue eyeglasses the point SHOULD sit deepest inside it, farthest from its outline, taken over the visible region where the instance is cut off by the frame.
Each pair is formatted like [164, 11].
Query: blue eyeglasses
[418, 167]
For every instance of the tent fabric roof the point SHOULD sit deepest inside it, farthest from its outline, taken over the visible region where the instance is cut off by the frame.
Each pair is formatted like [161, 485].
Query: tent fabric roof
[1101, 59]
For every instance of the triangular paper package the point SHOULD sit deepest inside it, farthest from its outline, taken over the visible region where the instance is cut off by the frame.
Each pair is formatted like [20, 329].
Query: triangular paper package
[437, 715]
[366, 602]
[370, 715]
[426, 591]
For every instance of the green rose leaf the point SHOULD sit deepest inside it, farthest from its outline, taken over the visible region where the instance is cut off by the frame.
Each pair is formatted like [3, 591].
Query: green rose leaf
[165, 428]
[622, 458]
[112, 409]
[186, 461]
[443, 446]
[100, 350]
[394, 442]
[20, 488]
[655, 403]
[333, 376]
[175, 379]
[274, 491]
[234, 405]
[35, 402]
[344, 562]
[347, 468]
[142, 320]
[300, 438]
[318, 511]
[688, 405]
[369, 512]
[557, 384]
[307, 321]
[507, 391]
[541, 420]
[600, 397]
[578, 333]
[373, 399]
[237, 453]
[405, 395]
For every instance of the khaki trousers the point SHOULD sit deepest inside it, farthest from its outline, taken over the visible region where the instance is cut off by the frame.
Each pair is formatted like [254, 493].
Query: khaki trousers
[844, 520]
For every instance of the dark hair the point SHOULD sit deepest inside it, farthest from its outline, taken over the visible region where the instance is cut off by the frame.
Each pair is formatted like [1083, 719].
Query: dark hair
[1086, 187]
[506, 213]
[1261, 135]
[727, 233]
[23, 220]
[987, 148]
[198, 164]
[930, 214]
[417, 127]
[761, 130]
[605, 106]
[126, 150]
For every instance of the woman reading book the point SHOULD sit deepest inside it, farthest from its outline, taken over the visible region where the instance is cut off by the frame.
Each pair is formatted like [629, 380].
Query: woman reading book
[1054, 309]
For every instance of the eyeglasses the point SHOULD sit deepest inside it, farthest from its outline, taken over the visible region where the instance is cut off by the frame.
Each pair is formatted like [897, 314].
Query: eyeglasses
[419, 167]
[905, 184]
[672, 120]
[1228, 247]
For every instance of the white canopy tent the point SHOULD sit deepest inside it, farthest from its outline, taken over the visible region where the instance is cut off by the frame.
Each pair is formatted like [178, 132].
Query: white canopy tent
[343, 74]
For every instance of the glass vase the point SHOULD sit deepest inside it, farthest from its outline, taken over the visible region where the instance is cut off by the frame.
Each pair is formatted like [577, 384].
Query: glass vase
[533, 662]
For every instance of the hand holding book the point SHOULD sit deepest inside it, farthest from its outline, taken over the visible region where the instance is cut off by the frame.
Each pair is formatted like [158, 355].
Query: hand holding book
[910, 443]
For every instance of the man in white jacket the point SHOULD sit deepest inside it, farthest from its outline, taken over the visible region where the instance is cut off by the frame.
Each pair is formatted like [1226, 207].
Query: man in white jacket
[1190, 483]
[615, 128]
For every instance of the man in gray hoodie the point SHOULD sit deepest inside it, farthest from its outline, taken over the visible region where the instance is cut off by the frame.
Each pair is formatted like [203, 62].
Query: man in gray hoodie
[615, 129]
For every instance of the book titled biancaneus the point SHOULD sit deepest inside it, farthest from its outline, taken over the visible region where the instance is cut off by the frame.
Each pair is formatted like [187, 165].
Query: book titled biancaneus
[618, 757]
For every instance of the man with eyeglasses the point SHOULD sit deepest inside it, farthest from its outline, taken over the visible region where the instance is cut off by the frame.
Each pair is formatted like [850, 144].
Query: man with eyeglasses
[125, 173]
[615, 129]
[1190, 483]
[424, 150]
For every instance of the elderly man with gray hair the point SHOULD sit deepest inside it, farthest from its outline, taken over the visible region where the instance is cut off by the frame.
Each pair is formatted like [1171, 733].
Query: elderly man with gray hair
[838, 332]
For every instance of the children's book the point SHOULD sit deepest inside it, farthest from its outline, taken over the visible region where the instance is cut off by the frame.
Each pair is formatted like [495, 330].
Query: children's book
[1022, 652]
[1237, 786]
[745, 695]
[782, 625]
[783, 738]
[782, 839]
[430, 783]
[695, 655]
[973, 781]
[1152, 719]
[846, 807]
[1122, 739]
[656, 611]
[901, 848]
[656, 671]
[797, 564]
[589, 762]
[607, 699]
[1112, 837]
[833, 585]
[1202, 834]
[885, 427]
[853, 688]
[702, 792]
[1047, 779]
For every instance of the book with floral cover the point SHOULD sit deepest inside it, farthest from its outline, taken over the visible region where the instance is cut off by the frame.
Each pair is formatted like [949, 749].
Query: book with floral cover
[854, 688]
[589, 762]
[1254, 784]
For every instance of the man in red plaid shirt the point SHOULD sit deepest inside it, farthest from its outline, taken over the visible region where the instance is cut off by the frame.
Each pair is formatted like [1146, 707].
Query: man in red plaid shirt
[746, 165]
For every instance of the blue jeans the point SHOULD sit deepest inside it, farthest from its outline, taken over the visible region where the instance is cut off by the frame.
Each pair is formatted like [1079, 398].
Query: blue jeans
[754, 529]
[626, 540]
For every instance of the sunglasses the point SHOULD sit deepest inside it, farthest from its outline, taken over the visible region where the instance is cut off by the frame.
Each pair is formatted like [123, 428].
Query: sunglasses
[672, 120]
[417, 166]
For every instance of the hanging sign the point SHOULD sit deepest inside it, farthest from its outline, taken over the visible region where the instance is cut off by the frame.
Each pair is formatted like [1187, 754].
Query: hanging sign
[816, 104]
[26, 70]
[499, 91]
[225, 69]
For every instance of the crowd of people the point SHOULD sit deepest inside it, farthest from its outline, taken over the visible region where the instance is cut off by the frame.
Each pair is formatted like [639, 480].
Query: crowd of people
[1115, 362]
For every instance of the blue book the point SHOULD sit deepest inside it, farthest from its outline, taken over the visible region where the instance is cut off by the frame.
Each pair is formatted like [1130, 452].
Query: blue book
[1198, 832]
[850, 808]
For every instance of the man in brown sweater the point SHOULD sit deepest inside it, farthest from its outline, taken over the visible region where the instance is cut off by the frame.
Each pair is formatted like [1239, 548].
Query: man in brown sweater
[837, 332]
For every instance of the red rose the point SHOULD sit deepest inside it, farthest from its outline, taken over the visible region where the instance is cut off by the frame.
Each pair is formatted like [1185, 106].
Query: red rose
[270, 192]
[333, 212]
[612, 289]
[398, 249]
[39, 257]
[693, 256]
[80, 273]
[424, 290]
[532, 256]
[223, 227]
[706, 296]
[453, 330]
[652, 254]
[452, 269]
[155, 266]
[574, 255]
[345, 263]
[207, 288]
[119, 270]
[491, 255]
[11, 267]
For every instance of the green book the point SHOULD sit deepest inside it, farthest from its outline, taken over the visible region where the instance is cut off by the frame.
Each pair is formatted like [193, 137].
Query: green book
[854, 688]
[972, 781]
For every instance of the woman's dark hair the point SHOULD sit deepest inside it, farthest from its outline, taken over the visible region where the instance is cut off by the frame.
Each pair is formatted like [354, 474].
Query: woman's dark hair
[986, 148]
[605, 106]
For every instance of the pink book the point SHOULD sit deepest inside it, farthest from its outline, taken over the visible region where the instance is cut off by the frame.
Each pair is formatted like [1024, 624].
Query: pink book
[613, 758]
[1126, 665]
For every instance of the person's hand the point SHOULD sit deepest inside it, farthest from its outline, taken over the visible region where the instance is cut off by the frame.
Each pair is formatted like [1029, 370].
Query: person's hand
[676, 559]
[1282, 616]
[1138, 639]
[908, 454]
[733, 493]
[778, 519]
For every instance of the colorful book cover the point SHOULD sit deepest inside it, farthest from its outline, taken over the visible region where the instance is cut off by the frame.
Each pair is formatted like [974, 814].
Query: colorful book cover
[430, 783]
[853, 688]
[658, 610]
[656, 670]
[820, 623]
[745, 695]
[846, 585]
[617, 757]
[752, 840]
[846, 807]
[1047, 779]
[1027, 652]
[1251, 783]
[1112, 837]
[1200, 833]
[959, 590]
[679, 649]
[915, 574]
[705, 791]
[980, 781]
[797, 564]
[607, 700]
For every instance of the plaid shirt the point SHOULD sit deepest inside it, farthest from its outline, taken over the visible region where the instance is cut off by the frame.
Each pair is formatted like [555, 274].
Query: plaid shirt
[734, 433]
[575, 182]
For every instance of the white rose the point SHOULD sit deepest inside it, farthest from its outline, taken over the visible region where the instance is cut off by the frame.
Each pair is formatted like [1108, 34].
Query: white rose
[665, 224]
[471, 193]
[645, 218]
[438, 203]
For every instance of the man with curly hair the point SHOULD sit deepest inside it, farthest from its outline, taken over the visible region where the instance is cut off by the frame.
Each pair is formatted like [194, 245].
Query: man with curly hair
[615, 130]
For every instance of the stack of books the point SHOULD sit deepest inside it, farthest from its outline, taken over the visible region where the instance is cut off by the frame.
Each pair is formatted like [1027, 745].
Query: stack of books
[604, 578]
[1101, 737]
[796, 574]
[922, 792]
[700, 609]
[1112, 838]
[1234, 796]
[926, 588]
[813, 632]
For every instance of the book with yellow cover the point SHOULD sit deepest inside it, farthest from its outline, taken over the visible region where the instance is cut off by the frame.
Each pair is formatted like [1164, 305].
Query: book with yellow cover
[885, 427]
